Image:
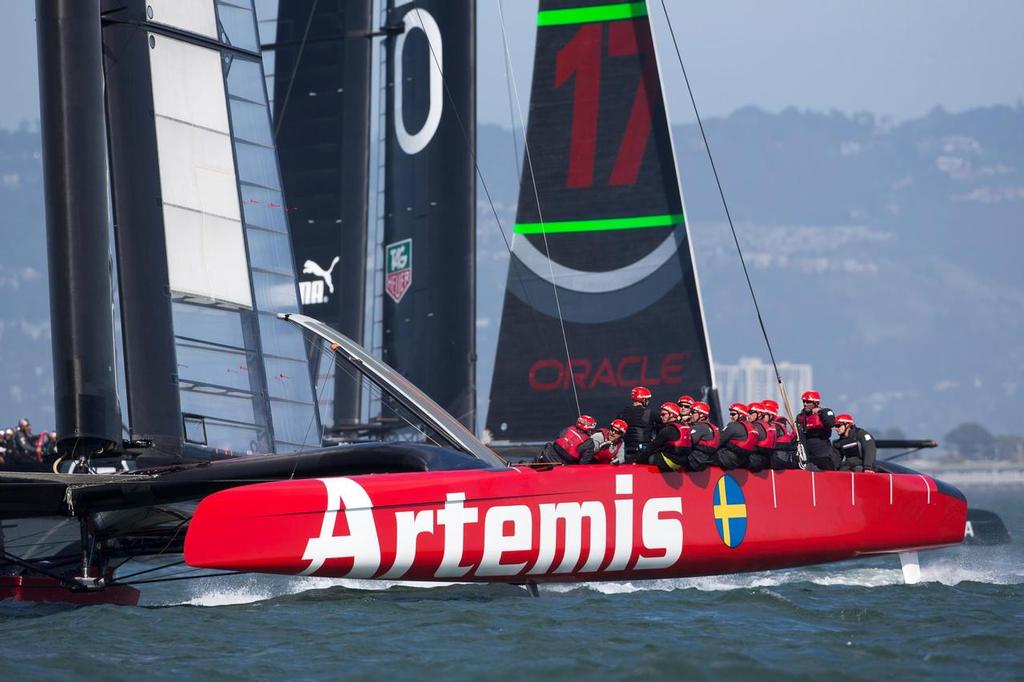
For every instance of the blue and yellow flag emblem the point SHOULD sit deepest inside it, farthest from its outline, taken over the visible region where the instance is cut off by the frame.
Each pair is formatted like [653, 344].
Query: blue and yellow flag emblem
[730, 511]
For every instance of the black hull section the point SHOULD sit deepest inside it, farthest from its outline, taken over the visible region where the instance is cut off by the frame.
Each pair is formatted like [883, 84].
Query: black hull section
[27, 494]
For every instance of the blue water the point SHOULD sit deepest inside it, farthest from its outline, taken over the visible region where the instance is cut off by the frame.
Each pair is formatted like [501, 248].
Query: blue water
[855, 620]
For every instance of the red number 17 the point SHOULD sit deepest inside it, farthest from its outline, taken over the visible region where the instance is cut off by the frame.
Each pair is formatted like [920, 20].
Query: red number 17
[581, 57]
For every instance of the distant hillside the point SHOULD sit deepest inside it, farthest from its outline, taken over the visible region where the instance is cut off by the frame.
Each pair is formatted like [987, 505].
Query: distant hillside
[886, 255]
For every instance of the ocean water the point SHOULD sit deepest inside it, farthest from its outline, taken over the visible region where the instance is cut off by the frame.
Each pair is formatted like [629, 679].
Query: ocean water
[853, 620]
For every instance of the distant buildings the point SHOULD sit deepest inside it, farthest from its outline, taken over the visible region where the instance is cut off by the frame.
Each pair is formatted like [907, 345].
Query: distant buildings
[752, 380]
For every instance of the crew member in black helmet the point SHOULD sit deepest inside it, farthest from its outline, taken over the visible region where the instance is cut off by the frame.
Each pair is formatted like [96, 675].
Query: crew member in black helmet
[642, 421]
[855, 447]
[815, 424]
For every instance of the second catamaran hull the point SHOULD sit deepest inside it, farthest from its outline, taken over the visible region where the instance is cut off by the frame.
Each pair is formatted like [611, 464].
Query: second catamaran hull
[586, 523]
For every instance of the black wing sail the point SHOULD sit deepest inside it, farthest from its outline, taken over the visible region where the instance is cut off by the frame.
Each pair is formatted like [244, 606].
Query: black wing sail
[321, 92]
[601, 239]
[204, 254]
[429, 309]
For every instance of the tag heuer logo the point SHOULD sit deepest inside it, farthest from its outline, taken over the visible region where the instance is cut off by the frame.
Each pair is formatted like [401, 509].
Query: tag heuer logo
[398, 274]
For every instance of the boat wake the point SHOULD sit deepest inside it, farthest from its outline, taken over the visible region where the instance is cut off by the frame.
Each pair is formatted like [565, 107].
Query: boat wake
[996, 566]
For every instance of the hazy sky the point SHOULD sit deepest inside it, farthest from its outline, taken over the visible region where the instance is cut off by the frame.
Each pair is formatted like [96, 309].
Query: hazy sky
[890, 57]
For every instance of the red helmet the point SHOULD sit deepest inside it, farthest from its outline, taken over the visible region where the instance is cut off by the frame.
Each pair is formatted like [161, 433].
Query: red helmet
[671, 408]
[586, 422]
[771, 405]
[844, 419]
[640, 393]
[813, 396]
[619, 425]
[686, 400]
[755, 407]
[740, 408]
[702, 408]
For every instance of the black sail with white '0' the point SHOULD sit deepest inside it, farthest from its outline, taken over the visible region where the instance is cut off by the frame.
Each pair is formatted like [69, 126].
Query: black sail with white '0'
[429, 218]
[601, 239]
[321, 91]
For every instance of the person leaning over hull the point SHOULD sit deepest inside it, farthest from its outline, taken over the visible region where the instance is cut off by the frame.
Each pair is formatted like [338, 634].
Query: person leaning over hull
[641, 422]
[815, 424]
[855, 449]
[605, 445]
[705, 438]
[566, 448]
[737, 441]
[670, 449]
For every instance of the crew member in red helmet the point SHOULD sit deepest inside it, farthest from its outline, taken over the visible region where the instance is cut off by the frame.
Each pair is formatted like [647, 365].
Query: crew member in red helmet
[815, 424]
[670, 449]
[705, 438]
[737, 441]
[605, 445]
[855, 447]
[685, 403]
[641, 421]
[566, 448]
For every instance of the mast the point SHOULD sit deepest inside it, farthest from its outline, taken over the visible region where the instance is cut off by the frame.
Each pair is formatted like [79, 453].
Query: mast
[147, 328]
[429, 310]
[78, 247]
[322, 67]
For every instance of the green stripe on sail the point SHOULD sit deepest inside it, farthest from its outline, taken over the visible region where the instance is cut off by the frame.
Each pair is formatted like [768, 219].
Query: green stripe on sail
[586, 15]
[664, 220]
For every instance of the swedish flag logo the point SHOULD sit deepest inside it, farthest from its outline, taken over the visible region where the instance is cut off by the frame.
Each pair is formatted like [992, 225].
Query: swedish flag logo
[730, 511]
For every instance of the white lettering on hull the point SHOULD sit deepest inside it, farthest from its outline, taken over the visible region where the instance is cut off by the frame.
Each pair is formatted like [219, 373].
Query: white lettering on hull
[576, 530]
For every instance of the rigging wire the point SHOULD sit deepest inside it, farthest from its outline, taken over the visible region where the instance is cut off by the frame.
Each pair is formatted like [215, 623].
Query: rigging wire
[732, 227]
[540, 212]
[295, 69]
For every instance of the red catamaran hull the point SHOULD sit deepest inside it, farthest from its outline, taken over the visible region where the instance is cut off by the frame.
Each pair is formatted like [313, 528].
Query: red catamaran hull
[570, 523]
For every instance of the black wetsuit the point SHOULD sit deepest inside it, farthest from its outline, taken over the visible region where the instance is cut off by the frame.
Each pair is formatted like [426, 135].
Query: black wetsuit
[642, 422]
[817, 437]
[705, 445]
[856, 451]
[784, 456]
[758, 459]
[729, 456]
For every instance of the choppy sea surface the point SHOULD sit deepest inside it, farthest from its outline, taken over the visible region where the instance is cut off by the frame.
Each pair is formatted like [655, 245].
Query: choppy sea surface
[852, 620]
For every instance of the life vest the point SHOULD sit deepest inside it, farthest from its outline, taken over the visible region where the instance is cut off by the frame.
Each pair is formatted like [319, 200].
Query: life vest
[810, 422]
[785, 433]
[767, 443]
[606, 454]
[683, 441]
[711, 443]
[749, 442]
[570, 442]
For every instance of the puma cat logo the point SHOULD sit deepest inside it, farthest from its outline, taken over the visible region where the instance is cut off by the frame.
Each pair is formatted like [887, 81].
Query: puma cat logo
[311, 268]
